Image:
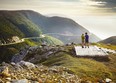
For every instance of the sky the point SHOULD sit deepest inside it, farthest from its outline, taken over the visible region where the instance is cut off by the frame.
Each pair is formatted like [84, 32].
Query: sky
[98, 16]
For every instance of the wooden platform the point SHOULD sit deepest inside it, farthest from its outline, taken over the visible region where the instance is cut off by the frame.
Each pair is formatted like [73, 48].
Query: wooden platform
[91, 51]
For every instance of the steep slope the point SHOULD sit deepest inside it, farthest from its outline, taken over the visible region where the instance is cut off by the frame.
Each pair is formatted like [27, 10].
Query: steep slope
[49, 40]
[80, 66]
[110, 40]
[15, 26]
[62, 28]
[14, 23]
[87, 69]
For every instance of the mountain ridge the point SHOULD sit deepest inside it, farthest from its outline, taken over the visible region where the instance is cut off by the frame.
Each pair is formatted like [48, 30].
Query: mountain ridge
[38, 23]
[14, 23]
[109, 40]
[60, 25]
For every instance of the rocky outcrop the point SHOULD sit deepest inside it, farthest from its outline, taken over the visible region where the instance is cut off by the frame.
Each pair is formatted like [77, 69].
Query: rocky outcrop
[36, 53]
[24, 73]
[19, 56]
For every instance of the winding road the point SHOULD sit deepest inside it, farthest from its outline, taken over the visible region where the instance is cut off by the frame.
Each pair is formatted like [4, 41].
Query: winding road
[22, 40]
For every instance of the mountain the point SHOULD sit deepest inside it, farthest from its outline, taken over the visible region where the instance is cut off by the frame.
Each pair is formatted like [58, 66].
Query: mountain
[62, 28]
[15, 23]
[110, 40]
[28, 23]
[15, 27]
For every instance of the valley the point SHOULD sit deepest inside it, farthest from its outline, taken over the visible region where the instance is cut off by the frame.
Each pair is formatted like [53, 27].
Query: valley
[39, 49]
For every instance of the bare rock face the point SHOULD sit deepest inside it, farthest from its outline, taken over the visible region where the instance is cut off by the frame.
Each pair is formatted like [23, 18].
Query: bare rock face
[36, 53]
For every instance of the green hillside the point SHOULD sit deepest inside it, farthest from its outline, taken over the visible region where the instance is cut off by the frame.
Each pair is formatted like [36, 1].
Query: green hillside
[49, 40]
[7, 51]
[87, 69]
[15, 24]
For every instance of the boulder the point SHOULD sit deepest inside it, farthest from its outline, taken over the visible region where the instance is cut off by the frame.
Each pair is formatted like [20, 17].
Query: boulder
[26, 64]
[20, 81]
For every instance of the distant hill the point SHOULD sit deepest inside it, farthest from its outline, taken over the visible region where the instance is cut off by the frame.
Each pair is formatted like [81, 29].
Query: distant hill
[15, 23]
[62, 28]
[27, 23]
[110, 40]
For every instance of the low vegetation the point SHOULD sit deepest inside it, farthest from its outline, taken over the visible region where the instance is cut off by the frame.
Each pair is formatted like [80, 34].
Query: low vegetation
[112, 66]
[7, 51]
[87, 69]
[109, 46]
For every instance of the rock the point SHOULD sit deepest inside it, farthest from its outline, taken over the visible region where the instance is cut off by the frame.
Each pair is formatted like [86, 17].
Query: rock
[26, 64]
[108, 80]
[20, 81]
[8, 78]
[88, 81]
[1, 81]
[54, 70]
[40, 80]
[7, 82]
[13, 64]
[18, 67]
[3, 63]
[35, 82]
[4, 71]
[100, 81]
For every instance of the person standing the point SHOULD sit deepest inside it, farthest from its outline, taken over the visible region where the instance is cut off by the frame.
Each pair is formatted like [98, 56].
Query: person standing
[86, 40]
[82, 40]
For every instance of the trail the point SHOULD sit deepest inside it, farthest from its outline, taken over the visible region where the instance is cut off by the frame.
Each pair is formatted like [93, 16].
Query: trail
[22, 40]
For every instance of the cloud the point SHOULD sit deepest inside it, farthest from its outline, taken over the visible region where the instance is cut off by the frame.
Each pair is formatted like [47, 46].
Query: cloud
[109, 5]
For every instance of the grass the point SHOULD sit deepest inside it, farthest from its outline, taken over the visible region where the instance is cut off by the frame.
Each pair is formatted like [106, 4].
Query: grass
[87, 69]
[108, 46]
[30, 42]
[112, 66]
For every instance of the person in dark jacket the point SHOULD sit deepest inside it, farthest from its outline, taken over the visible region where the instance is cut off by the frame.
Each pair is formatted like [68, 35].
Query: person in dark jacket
[86, 40]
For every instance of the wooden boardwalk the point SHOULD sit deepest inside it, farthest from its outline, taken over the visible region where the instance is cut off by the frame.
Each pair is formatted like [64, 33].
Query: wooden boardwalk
[91, 51]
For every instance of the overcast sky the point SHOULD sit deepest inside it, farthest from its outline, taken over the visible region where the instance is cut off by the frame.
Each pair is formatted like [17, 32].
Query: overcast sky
[98, 16]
